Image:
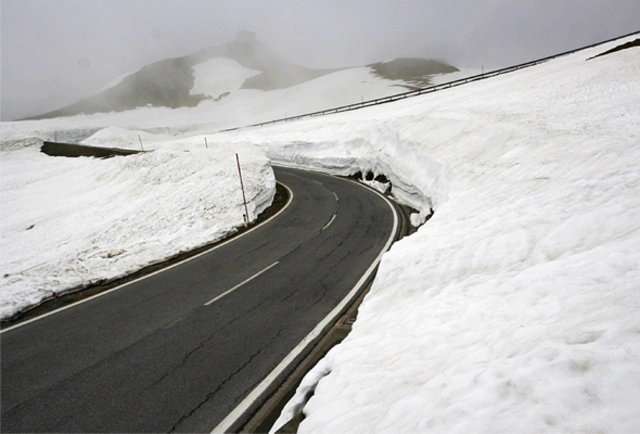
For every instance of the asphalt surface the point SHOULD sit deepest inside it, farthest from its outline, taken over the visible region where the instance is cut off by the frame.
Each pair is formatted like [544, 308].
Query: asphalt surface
[165, 354]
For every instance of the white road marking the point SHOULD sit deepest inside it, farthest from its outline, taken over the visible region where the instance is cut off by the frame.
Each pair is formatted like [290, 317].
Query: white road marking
[229, 291]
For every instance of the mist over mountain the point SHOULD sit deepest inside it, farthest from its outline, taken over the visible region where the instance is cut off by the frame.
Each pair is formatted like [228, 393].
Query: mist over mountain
[170, 82]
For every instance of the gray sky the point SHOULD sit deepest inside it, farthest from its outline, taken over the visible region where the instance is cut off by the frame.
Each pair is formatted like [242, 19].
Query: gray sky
[54, 52]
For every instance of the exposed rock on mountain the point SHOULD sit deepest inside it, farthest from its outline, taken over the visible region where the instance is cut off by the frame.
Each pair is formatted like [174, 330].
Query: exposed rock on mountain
[415, 71]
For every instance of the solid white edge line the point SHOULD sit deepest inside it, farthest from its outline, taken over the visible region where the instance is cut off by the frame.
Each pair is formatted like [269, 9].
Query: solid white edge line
[155, 272]
[229, 291]
[237, 412]
[329, 223]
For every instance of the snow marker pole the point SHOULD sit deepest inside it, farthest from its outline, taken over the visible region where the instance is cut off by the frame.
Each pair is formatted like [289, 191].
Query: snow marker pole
[206, 145]
[244, 199]
[140, 143]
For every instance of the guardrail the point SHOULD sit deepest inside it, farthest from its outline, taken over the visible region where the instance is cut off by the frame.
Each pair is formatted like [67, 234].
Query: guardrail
[412, 93]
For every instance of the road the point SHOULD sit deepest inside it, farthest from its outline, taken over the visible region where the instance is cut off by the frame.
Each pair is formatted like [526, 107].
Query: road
[178, 350]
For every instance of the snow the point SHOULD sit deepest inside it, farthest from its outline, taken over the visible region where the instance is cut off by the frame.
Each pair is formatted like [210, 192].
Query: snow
[219, 75]
[70, 222]
[516, 308]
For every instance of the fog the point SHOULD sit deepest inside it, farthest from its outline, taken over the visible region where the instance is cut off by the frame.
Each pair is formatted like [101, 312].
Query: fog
[54, 52]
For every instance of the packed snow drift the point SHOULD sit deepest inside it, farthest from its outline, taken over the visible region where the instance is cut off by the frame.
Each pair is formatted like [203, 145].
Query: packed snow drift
[70, 222]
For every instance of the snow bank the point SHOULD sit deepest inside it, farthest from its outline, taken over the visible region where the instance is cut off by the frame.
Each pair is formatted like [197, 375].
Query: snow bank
[416, 179]
[517, 307]
[69, 222]
[123, 138]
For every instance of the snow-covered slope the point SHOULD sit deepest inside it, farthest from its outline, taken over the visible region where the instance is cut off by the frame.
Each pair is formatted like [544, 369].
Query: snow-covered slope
[70, 222]
[244, 63]
[516, 308]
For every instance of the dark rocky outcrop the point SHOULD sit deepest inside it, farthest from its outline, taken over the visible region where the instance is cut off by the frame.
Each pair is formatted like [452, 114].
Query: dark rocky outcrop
[414, 71]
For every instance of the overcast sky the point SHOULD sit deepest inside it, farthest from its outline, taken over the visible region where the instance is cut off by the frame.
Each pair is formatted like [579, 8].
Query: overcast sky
[54, 52]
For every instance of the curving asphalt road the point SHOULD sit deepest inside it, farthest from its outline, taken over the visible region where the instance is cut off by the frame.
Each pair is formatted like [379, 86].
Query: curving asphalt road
[179, 350]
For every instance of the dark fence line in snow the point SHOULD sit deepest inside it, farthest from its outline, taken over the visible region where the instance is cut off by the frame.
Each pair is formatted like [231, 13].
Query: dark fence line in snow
[430, 89]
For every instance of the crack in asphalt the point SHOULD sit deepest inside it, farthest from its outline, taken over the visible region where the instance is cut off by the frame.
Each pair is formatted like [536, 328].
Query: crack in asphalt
[181, 364]
[221, 385]
[254, 249]
[205, 341]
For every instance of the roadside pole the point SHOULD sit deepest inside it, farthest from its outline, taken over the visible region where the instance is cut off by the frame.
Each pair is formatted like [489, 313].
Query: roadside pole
[244, 199]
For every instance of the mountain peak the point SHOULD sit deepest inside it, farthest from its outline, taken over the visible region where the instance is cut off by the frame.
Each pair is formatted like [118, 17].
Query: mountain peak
[246, 37]
[245, 43]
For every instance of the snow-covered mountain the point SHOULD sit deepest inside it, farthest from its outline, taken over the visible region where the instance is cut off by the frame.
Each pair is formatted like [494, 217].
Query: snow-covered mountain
[245, 63]
[232, 85]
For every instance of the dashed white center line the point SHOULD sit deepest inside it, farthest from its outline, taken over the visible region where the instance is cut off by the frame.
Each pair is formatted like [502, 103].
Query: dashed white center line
[240, 284]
